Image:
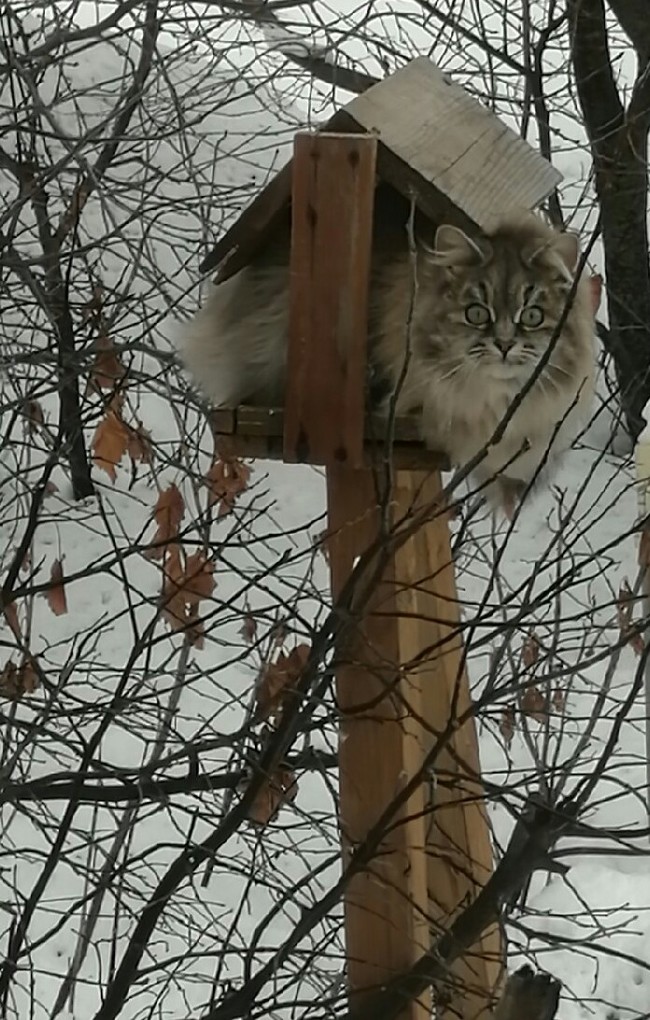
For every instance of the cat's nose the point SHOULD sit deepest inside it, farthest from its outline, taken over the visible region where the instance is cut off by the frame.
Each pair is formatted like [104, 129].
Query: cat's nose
[504, 344]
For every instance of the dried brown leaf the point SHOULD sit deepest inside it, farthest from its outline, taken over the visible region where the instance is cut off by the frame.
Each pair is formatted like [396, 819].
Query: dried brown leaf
[28, 676]
[107, 369]
[174, 609]
[194, 633]
[15, 681]
[534, 704]
[226, 480]
[198, 579]
[507, 724]
[168, 514]
[559, 700]
[188, 580]
[625, 612]
[93, 307]
[55, 594]
[271, 689]
[111, 440]
[249, 628]
[11, 616]
[625, 606]
[33, 414]
[281, 788]
[139, 446]
[279, 633]
[636, 642]
[530, 651]
[277, 680]
[297, 660]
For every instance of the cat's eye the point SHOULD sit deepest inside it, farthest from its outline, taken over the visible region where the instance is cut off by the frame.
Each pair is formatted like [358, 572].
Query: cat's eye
[477, 315]
[531, 317]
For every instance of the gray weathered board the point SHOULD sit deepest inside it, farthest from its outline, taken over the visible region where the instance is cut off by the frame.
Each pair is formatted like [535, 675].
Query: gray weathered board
[436, 143]
[454, 142]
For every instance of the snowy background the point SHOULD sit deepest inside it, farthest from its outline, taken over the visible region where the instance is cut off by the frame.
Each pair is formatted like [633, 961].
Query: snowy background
[111, 694]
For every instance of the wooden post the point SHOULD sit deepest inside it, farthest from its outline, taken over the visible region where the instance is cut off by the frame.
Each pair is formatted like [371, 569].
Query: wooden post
[406, 682]
[459, 851]
[381, 747]
[331, 225]
[400, 676]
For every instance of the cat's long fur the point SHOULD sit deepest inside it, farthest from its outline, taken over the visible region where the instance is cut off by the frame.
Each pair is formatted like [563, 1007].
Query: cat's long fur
[457, 377]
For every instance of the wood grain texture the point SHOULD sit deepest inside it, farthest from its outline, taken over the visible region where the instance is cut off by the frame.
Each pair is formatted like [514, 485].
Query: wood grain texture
[331, 237]
[380, 747]
[258, 432]
[459, 851]
[405, 686]
[269, 421]
[454, 143]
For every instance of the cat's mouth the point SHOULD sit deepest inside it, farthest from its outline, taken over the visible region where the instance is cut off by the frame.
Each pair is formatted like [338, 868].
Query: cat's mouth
[506, 365]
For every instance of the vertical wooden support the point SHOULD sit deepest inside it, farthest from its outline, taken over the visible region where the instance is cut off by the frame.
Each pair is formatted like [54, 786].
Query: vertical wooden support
[331, 216]
[381, 747]
[399, 677]
[459, 851]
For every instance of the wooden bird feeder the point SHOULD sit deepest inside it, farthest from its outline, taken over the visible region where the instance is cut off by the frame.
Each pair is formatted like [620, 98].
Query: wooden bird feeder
[414, 143]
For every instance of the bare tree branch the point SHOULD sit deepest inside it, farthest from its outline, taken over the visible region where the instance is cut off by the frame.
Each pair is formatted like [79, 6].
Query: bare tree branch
[129, 104]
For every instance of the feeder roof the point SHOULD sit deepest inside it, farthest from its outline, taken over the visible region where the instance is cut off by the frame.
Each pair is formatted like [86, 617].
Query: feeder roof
[437, 145]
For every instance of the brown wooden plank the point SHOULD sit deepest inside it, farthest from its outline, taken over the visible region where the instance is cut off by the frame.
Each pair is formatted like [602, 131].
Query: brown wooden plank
[459, 851]
[258, 432]
[380, 748]
[396, 693]
[331, 236]
[269, 421]
[408, 456]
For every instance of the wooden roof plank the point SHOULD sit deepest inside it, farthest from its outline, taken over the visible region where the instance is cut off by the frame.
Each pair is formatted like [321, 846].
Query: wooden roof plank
[454, 143]
[455, 157]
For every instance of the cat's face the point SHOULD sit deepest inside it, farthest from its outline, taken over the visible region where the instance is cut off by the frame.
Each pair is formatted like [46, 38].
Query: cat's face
[501, 299]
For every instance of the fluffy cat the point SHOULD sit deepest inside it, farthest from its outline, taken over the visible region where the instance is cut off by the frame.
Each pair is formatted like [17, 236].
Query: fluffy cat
[475, 313]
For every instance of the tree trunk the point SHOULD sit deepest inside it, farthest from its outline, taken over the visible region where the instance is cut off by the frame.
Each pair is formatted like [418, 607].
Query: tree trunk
[618, 138]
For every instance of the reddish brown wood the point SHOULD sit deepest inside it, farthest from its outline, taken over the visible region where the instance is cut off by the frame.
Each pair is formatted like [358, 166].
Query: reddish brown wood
[381, 747]
[332, 203]
[399, 685]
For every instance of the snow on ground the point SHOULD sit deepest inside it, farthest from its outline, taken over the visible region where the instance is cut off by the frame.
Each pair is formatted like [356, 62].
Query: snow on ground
[111, 650]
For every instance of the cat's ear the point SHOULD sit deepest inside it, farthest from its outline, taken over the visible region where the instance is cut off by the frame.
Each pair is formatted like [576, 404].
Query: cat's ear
[566, 245]
[452, 247]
